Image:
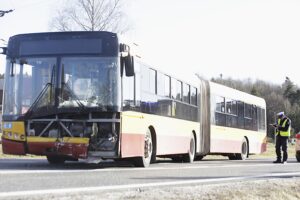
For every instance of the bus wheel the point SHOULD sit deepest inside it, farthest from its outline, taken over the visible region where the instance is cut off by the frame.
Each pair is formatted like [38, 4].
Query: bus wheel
[56, 159]
[232, 157]
[298, 156]
[144, 161]
[244, 151]
[198, 158]
[190, 156]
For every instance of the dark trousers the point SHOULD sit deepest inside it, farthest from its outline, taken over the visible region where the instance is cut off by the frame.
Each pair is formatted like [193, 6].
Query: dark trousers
[281, 143]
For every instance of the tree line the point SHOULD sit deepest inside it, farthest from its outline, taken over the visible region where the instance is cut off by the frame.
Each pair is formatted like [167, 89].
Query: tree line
[279, 97]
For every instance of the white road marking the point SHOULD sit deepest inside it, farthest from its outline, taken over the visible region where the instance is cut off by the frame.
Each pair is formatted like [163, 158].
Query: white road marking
[132, 186]
[4, 172]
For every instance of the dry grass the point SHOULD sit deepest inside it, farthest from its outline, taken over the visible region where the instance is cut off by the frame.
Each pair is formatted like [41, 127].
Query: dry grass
[271, 151]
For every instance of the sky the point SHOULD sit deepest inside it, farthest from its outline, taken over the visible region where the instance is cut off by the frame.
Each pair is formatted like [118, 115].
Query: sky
[240, 39]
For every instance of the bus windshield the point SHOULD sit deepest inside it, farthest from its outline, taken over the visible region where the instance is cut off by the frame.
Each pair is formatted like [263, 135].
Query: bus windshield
[75, 81]
[91, 81]
[24, 81]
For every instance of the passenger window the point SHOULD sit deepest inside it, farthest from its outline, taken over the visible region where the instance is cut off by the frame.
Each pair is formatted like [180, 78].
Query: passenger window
[179, 90]
[220, 104]
[167, 86]
[160, 84]
[186, 93]
[152, 81]
[194, 96]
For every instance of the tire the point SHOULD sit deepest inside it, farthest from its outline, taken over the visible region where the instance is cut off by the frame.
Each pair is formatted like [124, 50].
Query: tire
[198, 158]
[177, 159]
[145, 160]
[232, 157]
[244, 151]
[190, 156]
[298, 156]
[55, 160]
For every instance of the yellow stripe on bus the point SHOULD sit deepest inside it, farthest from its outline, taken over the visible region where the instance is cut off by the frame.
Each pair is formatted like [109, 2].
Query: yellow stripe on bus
[65, 140]
[76, 140]
[40, 139]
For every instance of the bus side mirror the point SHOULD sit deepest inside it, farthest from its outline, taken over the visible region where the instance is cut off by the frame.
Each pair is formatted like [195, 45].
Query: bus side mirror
[3, 50]
[129, 65]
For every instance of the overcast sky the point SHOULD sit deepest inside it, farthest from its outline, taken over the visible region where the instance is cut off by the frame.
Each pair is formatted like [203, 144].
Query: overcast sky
[257, 39]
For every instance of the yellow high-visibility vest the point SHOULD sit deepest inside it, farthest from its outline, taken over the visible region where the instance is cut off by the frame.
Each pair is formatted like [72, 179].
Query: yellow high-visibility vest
[284, 133]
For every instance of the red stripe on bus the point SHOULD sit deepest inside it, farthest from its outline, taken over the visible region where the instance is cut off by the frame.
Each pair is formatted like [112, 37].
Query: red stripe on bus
[233, 146]
[57, 148]
[225, 146]
[13, 147]
[170, 144]
[132, 145]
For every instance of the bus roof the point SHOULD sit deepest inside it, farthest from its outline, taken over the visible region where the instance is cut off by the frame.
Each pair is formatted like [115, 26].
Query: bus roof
[60, 43]
[234, 94]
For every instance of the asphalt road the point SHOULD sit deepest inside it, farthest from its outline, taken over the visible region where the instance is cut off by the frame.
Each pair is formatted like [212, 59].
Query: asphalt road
[25, 177]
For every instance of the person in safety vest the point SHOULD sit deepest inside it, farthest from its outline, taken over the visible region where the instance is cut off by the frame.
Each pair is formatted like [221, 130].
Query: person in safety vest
[283, 129]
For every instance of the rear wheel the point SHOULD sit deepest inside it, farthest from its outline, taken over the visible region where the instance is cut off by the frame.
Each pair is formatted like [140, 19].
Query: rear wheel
[198, 158]
[232, 157]
[56, 159]
[145, 160]
[244, 151]
[190, 156]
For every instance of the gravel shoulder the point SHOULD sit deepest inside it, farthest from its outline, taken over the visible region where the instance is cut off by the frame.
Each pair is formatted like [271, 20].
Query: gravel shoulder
[273, 189]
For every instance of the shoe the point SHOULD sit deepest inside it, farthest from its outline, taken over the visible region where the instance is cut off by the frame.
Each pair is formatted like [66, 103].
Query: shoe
[277, 161]
[284, 162]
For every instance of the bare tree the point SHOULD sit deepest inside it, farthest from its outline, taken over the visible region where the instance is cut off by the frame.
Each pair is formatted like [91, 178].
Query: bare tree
[91, 15]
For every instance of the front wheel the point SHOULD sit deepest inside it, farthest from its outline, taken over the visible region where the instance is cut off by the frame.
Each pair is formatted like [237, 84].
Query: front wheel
[145, 160]
[55, 160]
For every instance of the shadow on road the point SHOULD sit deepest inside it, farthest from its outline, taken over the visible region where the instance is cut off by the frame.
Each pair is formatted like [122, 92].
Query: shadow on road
[42, 164]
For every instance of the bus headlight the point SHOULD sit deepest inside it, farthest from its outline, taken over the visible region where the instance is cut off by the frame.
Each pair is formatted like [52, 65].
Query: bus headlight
[7, 125]
[16, 136]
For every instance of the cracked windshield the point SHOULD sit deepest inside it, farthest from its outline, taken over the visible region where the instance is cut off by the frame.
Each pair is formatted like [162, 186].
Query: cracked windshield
[90, 82]
[25, 80]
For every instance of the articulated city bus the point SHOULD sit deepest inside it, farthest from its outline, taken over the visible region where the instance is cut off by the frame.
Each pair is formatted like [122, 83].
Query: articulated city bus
[81, 95]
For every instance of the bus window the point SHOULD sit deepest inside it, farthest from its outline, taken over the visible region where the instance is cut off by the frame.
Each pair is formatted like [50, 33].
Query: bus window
[186, 93]
[240, 113]
[254, 118]
[220, 104]
[160, 84]
[228, 106]
[145, 78]
[248, 117]
[152, 81]
[173, 88]
[194, 96]
[179, 90]
[167, 86]
[248, 109]
[128, 92]
[261, 120]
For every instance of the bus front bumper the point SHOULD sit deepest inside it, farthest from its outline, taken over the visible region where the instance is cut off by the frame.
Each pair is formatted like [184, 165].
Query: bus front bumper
[13, 147]
[49, 146]
[73, 149]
